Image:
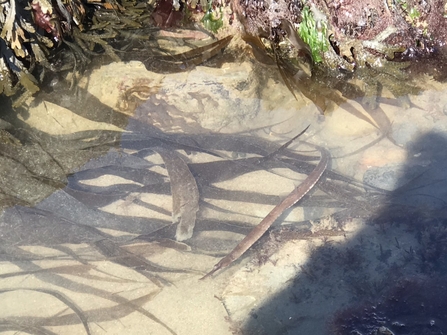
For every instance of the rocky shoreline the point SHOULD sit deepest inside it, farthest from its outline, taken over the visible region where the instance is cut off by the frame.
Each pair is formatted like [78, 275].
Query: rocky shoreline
[40, 38]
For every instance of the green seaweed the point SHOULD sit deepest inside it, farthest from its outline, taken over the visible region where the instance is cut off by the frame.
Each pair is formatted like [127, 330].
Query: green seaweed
[210, 22]
[414, 14]
[314, 34]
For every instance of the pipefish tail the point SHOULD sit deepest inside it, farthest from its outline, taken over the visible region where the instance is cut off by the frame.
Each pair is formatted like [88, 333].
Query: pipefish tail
[255, 234]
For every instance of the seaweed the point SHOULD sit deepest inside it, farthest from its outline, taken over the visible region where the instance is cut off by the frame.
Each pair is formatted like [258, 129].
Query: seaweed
[314, 33]
[80, 220]
[326, 90]
[62, 297]
[185, 195]
[209, 20]
[123, 305]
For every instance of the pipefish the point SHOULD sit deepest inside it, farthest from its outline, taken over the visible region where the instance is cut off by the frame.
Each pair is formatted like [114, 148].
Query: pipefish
[255, 234]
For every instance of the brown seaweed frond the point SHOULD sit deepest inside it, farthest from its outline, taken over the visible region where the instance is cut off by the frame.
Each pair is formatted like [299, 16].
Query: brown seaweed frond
[36, 325]
[16, 327]
[80, 270]
[34, 35]
[104, 314]
[80, 288]
[185, 194]
[186, 60]
[325, 91]
[22, 45]
[59, 296]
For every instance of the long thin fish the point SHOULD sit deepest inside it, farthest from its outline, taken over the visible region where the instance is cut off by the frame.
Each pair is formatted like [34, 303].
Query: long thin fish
[255, 234]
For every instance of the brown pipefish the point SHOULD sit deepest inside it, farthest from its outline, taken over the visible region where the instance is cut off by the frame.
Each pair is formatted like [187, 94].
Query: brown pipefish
[255, 234]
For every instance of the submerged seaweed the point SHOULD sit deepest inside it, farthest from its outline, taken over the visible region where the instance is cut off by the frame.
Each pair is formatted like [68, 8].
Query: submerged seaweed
[81, 220]
[329, 89]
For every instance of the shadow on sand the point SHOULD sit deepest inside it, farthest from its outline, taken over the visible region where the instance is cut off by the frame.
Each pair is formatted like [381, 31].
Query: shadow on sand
[390, 277]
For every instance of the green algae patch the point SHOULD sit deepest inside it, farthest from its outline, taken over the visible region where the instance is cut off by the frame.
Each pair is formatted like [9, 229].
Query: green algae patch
[314, 34]
[209, 20]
